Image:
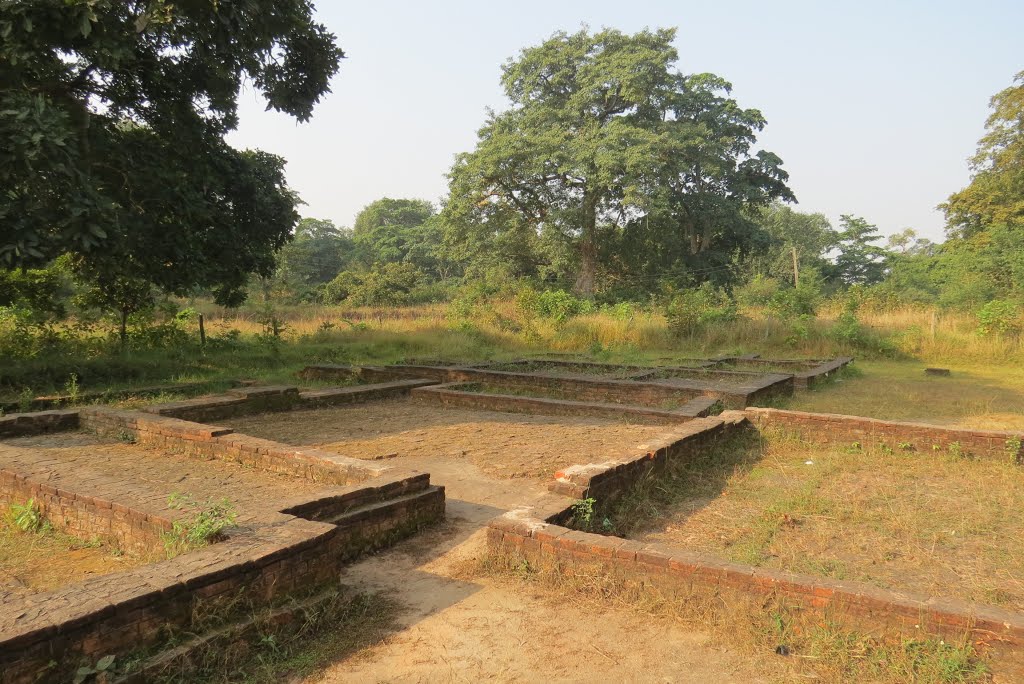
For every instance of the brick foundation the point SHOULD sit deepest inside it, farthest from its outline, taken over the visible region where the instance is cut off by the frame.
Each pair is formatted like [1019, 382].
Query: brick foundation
[526, 535]
[830, 428]
[47, 636]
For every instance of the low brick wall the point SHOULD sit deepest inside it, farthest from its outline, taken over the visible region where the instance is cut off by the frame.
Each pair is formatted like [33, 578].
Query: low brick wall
[85, 516]
[237, 402]
[538, 536]
[20, 424]
[122, 613]
[225, 444]
[47, 636]
[452, 395]
[830, 428]
[527, 535]
[262, 399]
[608, 480]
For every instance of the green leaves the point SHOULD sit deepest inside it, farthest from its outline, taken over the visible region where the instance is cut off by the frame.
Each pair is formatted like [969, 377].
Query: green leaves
[607, 147]
[112, 117]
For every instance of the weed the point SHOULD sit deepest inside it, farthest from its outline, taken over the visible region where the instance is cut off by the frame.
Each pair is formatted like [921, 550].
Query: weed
[582, 514]
[104, 664]
[956, 450]
[28, 517]
[71, 388]
[205, 526]
[1013, 448]
[126, 436]
[906, 446]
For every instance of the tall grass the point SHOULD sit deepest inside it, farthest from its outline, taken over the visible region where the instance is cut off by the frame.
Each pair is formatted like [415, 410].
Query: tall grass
[241, 343]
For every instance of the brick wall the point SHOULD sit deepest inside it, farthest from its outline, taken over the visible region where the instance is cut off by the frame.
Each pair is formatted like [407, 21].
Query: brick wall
[85, 516]
[681, 573]
[19, 424]
[223, 443]
[452, 395]
[608, 480]
[122, 613]
[830, 428]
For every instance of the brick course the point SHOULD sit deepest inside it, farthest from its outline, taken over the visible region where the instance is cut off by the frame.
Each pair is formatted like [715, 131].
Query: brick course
[831, 428]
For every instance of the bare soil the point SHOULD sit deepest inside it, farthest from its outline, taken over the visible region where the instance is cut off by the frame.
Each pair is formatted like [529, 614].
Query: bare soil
[457, 626]
[31, 562]
[922, 522]
[144, 477]
[500, 445]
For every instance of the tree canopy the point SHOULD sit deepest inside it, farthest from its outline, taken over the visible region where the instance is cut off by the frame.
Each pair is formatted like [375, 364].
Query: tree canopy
[112, 124]
[605, 137]
[995, 195]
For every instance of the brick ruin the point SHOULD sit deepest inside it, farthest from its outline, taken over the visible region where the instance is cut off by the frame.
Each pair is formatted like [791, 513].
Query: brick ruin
[292, 549]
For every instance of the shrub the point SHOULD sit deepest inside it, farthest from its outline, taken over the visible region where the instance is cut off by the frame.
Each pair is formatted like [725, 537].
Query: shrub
[388, 285]
[691, 310]
[560, 305]
[999, 317]
[794, 302]
[758, 292]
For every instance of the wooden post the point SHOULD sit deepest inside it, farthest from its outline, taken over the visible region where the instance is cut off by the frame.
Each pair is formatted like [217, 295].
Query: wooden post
[935, 320]
[202, 331]
[796, 270]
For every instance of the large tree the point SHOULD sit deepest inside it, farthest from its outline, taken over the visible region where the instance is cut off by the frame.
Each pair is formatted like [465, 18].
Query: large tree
[603, 132]
[996, 192]
[112, 124]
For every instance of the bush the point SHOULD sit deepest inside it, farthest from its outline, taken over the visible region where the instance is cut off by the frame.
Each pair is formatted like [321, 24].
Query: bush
[999, 317]
[792, 303]
[387, 285]
[557, 305]
[758, 292]
[691, 310]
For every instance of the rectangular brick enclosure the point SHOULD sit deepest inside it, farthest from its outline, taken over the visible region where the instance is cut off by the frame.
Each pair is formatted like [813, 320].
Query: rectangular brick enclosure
[539, 534]
[306, 504]
[301, 512]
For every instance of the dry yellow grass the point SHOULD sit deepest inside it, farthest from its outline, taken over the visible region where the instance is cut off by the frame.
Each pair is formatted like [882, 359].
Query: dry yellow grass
[929, 523]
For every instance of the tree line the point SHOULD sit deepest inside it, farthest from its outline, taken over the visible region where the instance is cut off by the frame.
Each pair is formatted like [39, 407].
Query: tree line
[611, 174]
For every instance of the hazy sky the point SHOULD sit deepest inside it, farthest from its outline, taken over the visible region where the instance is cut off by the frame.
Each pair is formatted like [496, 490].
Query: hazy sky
[873, 106]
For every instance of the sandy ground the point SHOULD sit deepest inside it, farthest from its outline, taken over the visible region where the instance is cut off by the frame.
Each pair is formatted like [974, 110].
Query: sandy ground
[500, 445]
[458, 628]
[33, 562]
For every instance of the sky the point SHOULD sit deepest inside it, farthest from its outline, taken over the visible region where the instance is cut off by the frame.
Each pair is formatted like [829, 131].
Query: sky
[874, 107]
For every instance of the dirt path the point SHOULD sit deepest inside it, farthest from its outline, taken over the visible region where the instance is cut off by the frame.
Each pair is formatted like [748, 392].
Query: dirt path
[456, 628]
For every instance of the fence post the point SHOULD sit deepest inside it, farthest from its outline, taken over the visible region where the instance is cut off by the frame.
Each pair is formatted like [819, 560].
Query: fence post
[202, 331]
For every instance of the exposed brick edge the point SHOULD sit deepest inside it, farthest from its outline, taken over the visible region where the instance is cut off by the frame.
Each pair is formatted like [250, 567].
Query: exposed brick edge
[644, 393]
[225, 444]
[528, 535]
[360, 393]
[85, 515]
[815, 376]
[450, 395]
[22, 424]
[115, 614]
[608, 480]
[831, 428]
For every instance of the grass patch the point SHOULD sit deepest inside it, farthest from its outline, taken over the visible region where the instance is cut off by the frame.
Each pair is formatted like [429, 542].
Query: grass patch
[34, 557]
[815, 649]
[932, 523]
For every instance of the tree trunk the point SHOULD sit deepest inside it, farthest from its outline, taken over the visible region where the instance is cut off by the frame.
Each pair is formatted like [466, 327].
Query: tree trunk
[124, 327]
[586, 280]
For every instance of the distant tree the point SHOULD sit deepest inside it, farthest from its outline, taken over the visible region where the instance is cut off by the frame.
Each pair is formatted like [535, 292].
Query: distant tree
[603, 132]
[810, 236]
[995, 195]
[402, 230]
[112, 124]
[319, 251]
[859, 262]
